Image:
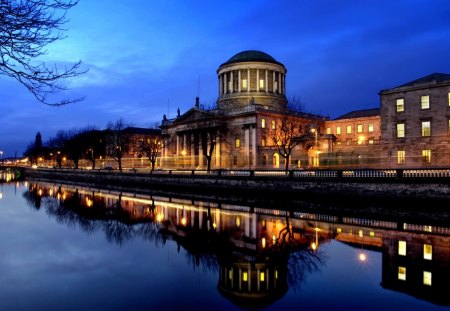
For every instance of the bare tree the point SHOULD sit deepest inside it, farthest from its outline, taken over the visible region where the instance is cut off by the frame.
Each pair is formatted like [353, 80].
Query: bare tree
[152, 147]
[212, 128]
[291, 129]
[117, 140]
[26, 28]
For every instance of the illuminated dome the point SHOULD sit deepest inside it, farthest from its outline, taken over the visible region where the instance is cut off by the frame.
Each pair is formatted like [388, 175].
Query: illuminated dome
[250, 56]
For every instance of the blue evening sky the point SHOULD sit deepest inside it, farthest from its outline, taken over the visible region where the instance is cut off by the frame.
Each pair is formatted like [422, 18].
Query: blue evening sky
[146, 58]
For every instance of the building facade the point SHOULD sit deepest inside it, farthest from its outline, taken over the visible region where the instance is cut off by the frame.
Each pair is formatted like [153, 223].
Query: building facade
[415, 122]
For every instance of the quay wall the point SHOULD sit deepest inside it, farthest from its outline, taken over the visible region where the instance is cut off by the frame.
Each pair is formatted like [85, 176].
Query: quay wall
[359, 185]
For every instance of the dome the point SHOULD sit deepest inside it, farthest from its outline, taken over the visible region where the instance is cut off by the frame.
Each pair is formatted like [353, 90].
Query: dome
[251, 56]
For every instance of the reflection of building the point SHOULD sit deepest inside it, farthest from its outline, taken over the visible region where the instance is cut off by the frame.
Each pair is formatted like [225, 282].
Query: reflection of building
[252, 247]
[417, 265]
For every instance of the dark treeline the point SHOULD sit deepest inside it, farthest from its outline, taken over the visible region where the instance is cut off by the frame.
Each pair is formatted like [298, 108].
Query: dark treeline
[118, 140]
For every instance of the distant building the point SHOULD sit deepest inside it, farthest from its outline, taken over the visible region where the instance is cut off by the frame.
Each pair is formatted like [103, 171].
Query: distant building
[415, 122]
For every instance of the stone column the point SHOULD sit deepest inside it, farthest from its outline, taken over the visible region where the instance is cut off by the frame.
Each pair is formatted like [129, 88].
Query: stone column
[267, 81]
[273, 82]
[279, 82]
[200, 151]
[254, 146]
[248, 80]
[220, 85]
[282, 85]
[231, 82]
[225, 83]
[257, 80]
[253, 236]
[218, 164]
[247, 146]
[193, 150]
[178, 145]
[239, 81]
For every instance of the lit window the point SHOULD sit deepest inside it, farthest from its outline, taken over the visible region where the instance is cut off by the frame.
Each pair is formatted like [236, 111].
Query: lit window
[401, 154]
[329, 129]
[426, 156]
[349, 129]
[263, 242]
[230, 274]
[276, 274]
[359, 128]
[339, 230]
[338, 130]
[360, 233]
[245, 276]
[370, 141]
[244, 84]
[274, 126]
[262, 276]
[400, 104]
[427, 278]
[400, 130]
[263, 142]
[370, 128]
[349, 142]
[338, 143]
[263, 123]
[425, 102]
[402, 248]
[426, 128]
[261, 83]
[427, 251]
[402, 273]
[372, 234]
[237, 143]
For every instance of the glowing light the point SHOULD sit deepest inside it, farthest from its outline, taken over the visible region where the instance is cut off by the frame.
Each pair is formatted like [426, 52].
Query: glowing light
[183, 221]
[183, 152]
[1, 195]
[88, 202]
[245, 276]
[238, 222]
[160, 217]
[274, 239]
[214, 225]
[40, 192]
[263, 242]
[313, 246]
[362, 257]
[262, 276]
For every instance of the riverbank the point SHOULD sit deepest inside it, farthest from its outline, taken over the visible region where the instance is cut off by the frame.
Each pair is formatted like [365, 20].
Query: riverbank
[356, 184]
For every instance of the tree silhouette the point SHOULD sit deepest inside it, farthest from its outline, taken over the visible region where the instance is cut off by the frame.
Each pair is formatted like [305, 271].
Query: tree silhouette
[26, 28]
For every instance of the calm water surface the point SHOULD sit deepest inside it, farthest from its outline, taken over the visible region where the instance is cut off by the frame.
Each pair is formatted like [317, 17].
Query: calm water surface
[75, 248]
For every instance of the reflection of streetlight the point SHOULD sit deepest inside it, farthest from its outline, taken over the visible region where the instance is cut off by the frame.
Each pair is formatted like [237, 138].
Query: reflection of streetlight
[362, 257]
[314, 131]
[1, 155]
[315, 244]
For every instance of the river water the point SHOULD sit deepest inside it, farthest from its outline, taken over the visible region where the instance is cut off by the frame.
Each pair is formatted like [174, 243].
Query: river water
[66, 247]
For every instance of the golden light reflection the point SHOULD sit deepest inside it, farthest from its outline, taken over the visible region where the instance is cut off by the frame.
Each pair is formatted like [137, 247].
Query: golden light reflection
[1, 195]
[183, 221]
[263, 242]
[160, 217]
[88, 202]
[214, 225]
[362, 257]
[40, 192]
[238, 222]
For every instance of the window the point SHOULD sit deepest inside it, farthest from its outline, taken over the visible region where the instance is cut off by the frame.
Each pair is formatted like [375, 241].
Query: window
[426, 156]
[401, 156]
[402, 273]
[400, 105]
[426, 128]
[263, 141]
[349, 142]
[237, 143]
[261, 83]
[263, 123]
[427, 278]
[425, 102]
[274, 125]
[359, 128]
[349, 129]
[329, 129]
[245, 276]
[370, 128]
[338, 130]
[370, 141]
[261, 276]
[427, 251]
[402, 248]
[338, 143]
[400, 130]
[244, 84]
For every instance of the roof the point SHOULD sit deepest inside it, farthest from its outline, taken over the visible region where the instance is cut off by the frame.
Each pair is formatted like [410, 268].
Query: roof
[142, 131]
[372, 112]
[432, 79]
[251, 56]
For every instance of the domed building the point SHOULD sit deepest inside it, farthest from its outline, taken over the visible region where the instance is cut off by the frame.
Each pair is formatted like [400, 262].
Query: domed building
[245, 129]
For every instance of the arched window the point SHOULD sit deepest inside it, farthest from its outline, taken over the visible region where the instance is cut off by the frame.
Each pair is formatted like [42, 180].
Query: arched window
[276, 160]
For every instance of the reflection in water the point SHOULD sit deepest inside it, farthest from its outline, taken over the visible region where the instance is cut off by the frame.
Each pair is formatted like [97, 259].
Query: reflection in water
[258, 253]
